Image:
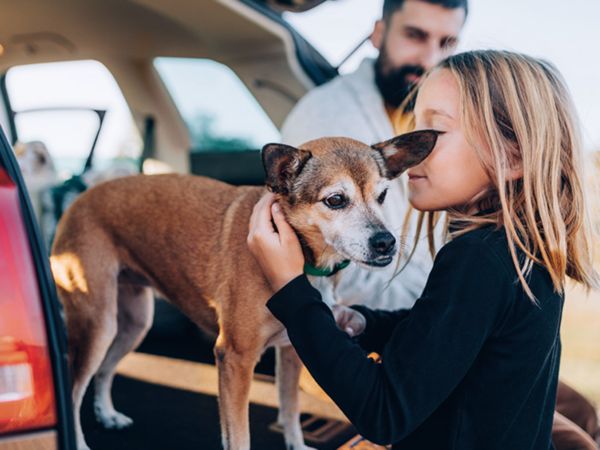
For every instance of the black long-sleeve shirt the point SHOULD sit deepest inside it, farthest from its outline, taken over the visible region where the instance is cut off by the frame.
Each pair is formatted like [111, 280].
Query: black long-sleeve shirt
[473, 365]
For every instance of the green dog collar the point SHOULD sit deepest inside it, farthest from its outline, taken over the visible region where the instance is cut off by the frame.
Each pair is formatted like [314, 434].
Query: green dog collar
[318, 272]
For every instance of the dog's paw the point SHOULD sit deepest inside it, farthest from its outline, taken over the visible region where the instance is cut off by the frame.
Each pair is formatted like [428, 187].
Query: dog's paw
[113, 420]
[293, 436]
[299, 447]
[82, 445]
[116, 421]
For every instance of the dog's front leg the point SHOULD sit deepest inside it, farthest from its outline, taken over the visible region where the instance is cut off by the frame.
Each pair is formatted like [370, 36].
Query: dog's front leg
[235, 369]
[288, 367]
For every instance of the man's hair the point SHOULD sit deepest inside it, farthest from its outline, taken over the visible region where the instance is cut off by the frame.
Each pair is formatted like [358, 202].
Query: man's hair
[391, 6]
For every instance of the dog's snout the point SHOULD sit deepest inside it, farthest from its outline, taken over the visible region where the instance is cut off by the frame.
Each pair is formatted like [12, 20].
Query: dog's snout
[382, 242]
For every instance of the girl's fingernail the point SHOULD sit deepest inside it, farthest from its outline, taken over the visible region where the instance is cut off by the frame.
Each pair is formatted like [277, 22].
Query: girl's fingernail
[276, 207]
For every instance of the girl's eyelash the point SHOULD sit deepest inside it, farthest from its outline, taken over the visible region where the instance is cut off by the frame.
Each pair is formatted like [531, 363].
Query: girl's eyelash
[439, 132]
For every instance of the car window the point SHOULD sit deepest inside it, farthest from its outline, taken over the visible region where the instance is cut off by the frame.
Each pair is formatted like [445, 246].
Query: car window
[337, 39]
[66, 106]
[68, 149]
[218, 109]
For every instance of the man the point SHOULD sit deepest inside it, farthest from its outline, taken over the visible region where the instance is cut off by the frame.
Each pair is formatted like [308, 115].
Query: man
[412, 37]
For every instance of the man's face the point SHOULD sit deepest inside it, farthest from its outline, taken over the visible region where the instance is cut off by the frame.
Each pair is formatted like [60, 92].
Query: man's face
[414, 39]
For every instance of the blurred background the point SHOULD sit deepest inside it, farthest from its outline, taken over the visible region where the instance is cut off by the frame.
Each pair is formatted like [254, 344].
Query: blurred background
[75, 103]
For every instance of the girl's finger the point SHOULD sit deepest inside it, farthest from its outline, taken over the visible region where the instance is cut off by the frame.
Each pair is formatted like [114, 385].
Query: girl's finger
[261, 214]
[284, 229]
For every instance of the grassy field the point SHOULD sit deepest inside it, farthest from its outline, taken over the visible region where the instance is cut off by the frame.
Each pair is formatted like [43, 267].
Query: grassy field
[581, 319]
[580, 365]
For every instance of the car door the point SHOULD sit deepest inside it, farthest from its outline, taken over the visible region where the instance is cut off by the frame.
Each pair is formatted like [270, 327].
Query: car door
[35, 411]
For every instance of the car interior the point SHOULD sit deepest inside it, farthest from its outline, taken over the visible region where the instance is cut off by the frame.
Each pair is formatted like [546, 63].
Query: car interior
[133, 40]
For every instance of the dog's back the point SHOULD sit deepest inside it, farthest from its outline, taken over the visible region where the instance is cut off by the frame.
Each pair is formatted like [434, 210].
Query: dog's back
[174, 224]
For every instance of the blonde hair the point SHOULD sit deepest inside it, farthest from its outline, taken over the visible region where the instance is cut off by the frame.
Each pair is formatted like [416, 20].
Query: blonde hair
[519, 110]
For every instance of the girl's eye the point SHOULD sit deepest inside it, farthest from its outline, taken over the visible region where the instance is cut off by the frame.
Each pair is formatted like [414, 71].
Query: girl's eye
[336, 201]
[381, 197]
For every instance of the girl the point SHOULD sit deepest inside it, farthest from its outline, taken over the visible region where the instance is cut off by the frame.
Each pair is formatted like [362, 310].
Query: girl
[474, 364]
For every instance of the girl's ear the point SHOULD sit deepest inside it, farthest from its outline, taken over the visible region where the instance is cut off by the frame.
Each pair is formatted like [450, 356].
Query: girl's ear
[378, 34]
[515, 169]
[515, 173]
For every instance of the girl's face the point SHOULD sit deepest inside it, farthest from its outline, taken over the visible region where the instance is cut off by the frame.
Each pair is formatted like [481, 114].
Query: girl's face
[452, 174]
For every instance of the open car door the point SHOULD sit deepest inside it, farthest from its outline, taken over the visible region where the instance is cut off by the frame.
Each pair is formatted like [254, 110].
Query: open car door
[293, 5]
[35, 409]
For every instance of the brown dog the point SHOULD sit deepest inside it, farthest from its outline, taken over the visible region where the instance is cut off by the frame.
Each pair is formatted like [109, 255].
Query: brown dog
[185, 236]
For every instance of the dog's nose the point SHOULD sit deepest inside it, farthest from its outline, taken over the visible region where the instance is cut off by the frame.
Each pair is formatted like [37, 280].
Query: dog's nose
[382, 242]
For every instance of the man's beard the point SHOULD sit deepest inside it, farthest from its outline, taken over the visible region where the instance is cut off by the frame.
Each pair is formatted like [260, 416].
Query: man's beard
[392, 81]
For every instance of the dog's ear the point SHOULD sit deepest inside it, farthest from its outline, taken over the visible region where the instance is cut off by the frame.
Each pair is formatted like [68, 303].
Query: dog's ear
[406, 150]
[283, 164]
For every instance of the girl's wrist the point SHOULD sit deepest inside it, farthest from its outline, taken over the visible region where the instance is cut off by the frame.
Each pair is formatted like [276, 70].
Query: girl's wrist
[280, 280]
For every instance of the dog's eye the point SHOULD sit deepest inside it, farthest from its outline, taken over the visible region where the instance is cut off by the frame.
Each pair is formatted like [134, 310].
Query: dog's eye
[381, 197]
[336, 201]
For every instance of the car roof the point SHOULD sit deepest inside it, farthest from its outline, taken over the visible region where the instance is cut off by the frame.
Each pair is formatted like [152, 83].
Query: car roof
[238, 33]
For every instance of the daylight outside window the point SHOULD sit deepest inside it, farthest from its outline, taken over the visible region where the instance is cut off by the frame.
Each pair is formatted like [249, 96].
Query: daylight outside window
[218, 109]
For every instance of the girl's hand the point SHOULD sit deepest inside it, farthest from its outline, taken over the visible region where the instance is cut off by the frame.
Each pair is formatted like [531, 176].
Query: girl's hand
[277, 251]
[349, 320]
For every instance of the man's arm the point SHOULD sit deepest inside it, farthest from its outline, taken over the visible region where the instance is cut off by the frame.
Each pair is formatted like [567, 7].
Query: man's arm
[319, 113]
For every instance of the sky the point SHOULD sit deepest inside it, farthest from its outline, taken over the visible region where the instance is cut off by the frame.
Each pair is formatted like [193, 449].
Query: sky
[563, 32]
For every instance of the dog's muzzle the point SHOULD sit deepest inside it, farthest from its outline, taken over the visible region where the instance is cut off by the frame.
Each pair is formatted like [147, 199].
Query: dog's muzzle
[383, 247]
[382, 243]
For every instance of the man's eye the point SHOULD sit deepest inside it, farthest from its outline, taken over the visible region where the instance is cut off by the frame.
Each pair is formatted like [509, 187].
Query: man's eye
[336, 201]
[416, 35]
[448, 44]
[381, 197]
